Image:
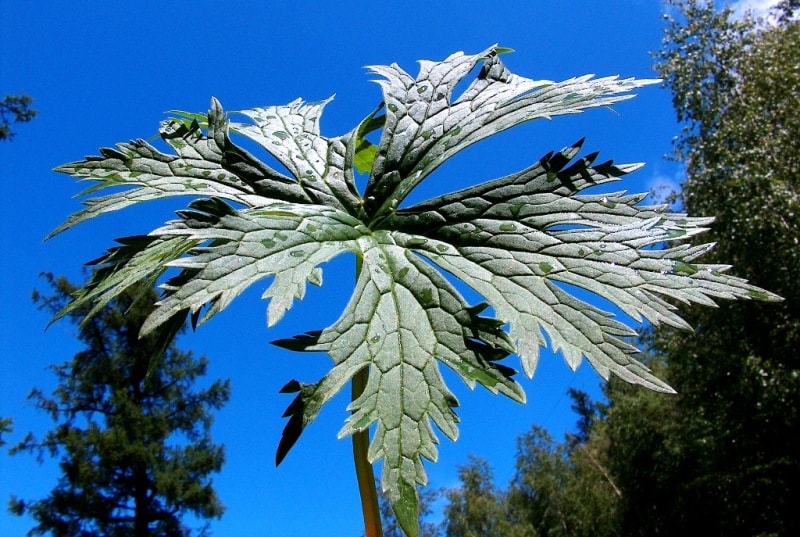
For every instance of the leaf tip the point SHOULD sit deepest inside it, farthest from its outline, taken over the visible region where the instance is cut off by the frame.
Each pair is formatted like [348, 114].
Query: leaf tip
[406, 508]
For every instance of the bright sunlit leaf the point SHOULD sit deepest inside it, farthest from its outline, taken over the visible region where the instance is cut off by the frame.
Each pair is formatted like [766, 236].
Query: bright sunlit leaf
[515, 240]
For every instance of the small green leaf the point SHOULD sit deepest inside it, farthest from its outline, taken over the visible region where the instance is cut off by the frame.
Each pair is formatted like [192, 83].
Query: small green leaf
[406, 508]
[365, 156]
[365, 150]
[503, 50]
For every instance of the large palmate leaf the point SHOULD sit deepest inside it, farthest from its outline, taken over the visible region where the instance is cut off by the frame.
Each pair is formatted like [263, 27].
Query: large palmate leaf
[516, 240]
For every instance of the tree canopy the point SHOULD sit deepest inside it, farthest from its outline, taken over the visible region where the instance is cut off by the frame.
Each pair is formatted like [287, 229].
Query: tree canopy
[735, 461]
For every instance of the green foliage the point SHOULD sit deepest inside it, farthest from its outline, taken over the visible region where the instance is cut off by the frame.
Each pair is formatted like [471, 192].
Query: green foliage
[14, 109]
[515, 240]
[134, 446]
[476, 508]
[561, 488]
[722, 457]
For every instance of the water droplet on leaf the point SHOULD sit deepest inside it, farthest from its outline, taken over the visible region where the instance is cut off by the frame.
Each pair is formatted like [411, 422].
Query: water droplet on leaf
[608, 204]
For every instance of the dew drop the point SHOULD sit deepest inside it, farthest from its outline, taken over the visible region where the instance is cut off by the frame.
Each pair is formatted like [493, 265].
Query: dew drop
[297, 253]
[608, 204]
[508, 227]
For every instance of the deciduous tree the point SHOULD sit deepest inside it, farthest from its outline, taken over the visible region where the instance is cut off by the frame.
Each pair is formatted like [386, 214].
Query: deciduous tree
[722, 458]
[476, 508]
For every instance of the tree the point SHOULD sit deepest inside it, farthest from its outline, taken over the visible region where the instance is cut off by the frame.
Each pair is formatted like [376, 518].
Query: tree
[14, 109]
[476, 508]
[132, 434]
[513, 240]
[649, 452]
[558, 489]
[722, 456]
[565, 488]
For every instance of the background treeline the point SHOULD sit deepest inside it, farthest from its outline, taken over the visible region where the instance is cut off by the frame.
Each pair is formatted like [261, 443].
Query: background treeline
[722, 457]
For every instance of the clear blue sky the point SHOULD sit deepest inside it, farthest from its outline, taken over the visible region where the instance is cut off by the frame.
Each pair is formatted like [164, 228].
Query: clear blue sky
[105, 72]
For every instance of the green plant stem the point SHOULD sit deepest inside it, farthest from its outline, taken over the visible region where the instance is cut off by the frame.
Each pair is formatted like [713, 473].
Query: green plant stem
[364, 473]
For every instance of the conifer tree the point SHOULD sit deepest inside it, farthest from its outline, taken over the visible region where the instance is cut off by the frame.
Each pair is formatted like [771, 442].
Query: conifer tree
[132, 433]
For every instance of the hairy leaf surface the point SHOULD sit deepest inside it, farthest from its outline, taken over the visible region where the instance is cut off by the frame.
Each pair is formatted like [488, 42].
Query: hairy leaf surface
[521, 241]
